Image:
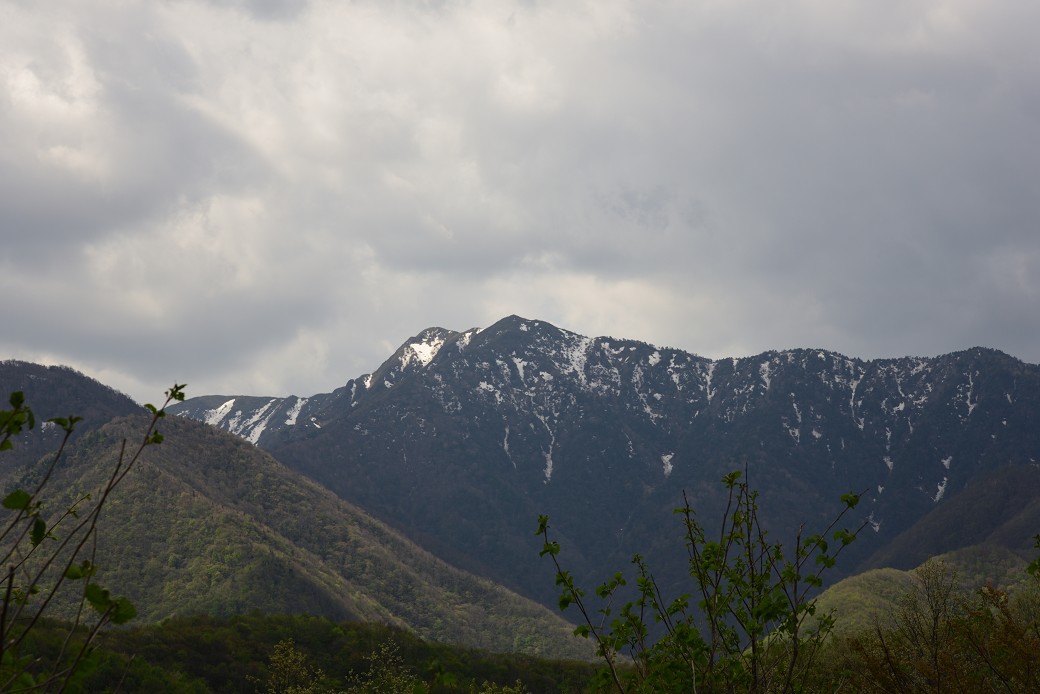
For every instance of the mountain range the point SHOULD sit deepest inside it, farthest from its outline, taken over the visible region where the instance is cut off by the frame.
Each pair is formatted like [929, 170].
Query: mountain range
[461, 439]
[410, 495]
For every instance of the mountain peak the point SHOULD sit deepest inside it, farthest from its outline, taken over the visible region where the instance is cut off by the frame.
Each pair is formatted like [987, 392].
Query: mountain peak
[414, 355]
[422, 348]
[515, 323]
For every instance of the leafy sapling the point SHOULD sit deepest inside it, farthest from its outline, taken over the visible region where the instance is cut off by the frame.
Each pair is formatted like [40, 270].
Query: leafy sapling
[744, 627]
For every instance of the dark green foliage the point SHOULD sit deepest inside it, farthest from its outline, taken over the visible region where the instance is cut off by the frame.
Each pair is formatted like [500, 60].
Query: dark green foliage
[14, 421]
[290, 672]
[235, 654]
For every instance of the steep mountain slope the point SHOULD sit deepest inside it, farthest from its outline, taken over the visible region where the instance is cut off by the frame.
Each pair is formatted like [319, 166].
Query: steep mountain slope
[999, 509]
[209, 523]
[461, 438]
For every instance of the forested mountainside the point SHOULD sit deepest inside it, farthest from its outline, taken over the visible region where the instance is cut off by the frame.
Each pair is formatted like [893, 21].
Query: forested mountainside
[461, 439]
[208, 523]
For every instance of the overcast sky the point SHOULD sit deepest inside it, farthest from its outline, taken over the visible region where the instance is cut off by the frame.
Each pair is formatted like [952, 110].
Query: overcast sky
[269, 197]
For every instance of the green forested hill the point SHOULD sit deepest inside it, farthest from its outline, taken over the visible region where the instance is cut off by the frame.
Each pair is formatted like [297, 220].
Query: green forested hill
[859, 601]
[208, 523]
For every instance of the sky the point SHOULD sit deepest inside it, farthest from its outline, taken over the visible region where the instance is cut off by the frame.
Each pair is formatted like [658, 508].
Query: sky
[268, 197]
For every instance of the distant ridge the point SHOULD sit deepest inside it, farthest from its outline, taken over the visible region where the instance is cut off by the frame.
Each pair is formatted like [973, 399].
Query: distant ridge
[56, 391]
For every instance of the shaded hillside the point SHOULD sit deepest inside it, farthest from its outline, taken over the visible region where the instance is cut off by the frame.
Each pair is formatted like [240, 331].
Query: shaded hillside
[232, 655]
[1000, 509]
[461, 439]
[208, 523]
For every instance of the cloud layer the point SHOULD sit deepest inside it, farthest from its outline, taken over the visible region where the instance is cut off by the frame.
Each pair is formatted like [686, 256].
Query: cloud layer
[268, 197]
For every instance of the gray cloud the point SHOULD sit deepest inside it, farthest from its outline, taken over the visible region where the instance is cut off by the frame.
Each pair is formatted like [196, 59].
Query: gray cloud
[269, 197]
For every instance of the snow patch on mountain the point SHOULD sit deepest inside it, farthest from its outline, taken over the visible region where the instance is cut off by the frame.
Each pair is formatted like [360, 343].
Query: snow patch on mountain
[253, 427]
[215, 416]
[794, 432]
[852, 403]
[875, 524]
[463, 342]
[971, 404]
[505, 447]
[763, 372]
[709, 392]
[576, 356]
[941, 490]
[294, 411]
[488, 388]
[424, 350]
[520, 364]
[552, 442]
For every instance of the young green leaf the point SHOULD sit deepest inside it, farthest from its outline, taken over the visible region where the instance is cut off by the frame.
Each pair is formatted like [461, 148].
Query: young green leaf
[98, 597]
[122, 611]
[82, 570]
[18, 500]
[850, 499]
[39, 531]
